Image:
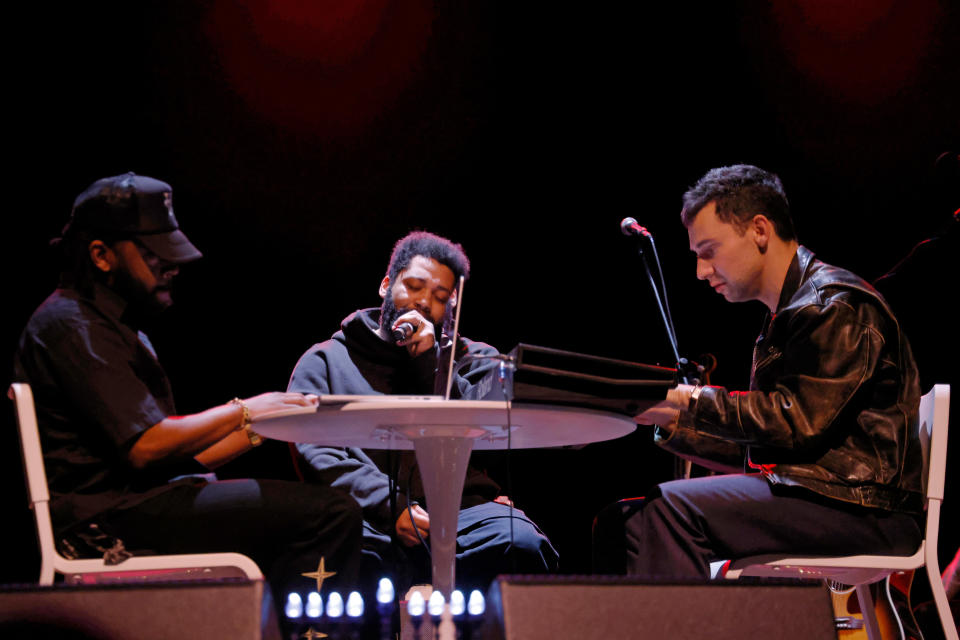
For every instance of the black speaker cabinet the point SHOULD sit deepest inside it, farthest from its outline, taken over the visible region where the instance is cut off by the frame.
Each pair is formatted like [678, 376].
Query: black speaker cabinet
[151, 611]
[612, 608]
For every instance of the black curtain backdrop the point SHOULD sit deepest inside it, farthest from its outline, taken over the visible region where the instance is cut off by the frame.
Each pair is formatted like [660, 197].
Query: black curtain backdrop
[302, 142]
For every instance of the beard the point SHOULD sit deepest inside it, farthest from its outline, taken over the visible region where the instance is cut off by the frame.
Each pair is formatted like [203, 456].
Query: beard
[142, 302]
[389, 314]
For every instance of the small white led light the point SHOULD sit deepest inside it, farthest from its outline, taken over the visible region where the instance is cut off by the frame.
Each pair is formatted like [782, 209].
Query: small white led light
[294, 606]
[334, 605]
[435, 603]
[416, 605]
[385, 592]
[354, 605]
[314, 605]
[458, 604]
[476, 604]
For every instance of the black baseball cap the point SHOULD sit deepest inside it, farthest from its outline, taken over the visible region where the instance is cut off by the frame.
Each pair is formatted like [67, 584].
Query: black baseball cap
[134, 206]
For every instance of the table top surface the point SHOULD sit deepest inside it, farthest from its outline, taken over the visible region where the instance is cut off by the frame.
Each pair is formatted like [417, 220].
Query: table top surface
[394, 422]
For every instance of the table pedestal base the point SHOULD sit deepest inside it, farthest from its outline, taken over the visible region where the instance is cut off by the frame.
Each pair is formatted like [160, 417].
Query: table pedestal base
[443, 464]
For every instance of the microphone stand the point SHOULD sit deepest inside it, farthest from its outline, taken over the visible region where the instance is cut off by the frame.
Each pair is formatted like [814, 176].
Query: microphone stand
[687, 372]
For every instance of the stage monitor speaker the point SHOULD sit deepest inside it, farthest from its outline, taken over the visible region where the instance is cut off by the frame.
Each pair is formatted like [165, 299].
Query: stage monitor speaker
[150, 611]
[613, 608]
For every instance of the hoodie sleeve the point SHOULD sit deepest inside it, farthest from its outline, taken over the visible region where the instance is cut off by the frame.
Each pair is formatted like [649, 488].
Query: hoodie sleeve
[481, 363]
[346, 468]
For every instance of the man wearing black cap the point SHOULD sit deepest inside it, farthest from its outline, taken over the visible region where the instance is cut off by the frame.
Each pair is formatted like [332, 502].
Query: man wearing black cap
[120, 463]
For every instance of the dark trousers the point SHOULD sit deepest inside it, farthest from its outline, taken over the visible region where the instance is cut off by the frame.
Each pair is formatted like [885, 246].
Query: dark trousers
[285, 527]
[484, 549]
[684, 525]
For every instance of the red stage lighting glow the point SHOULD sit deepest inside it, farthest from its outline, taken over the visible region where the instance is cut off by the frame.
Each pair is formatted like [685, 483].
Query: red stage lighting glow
[862, 51]
[332, 32]
[328, 68]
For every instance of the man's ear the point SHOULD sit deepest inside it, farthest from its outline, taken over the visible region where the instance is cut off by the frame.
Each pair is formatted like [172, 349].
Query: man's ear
[103, 257]
[762, 231]
[384, 287]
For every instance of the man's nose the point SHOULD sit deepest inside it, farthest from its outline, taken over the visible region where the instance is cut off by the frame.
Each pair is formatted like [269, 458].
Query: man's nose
[422, 301]
[704, 269]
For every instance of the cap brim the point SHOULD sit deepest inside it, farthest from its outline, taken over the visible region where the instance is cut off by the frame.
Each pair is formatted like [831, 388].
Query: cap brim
[172, 246]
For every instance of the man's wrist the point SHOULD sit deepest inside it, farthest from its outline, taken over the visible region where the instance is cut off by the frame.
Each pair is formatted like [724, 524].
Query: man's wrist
[255, 438]
[694, 397]
[681, 397]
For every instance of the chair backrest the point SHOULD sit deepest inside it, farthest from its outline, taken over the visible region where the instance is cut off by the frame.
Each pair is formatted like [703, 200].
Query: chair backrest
[22, 397]
[33, 468]
[934, 419]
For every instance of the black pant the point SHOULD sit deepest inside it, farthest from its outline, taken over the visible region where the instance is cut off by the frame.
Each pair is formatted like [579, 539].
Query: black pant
[685, 525]
[285, 527]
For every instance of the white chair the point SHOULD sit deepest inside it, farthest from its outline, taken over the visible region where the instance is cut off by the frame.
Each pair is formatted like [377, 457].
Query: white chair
[864, 570]
[136, 568]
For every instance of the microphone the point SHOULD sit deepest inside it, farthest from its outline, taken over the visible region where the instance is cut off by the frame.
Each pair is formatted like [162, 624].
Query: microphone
[403, 331]
[629, 227]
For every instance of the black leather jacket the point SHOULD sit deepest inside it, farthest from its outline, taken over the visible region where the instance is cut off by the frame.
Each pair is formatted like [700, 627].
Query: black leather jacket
[833, 398]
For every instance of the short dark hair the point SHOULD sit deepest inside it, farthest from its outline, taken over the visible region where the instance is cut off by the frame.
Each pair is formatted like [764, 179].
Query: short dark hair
[740, 192]
[428, 245]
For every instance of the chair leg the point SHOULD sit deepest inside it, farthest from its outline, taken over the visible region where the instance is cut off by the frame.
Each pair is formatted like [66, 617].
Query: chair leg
[941, 602]
[46, 572]
[867, 608]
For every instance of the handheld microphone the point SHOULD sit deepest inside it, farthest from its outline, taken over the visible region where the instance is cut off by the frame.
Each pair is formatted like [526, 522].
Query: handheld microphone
[403, 331]
[630, 227]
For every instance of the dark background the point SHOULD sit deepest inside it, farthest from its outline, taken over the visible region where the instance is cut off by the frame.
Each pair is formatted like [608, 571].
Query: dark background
[302, 142]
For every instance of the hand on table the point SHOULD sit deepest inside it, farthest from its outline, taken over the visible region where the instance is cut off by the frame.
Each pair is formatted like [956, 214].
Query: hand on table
[276, 401]
[667, 411]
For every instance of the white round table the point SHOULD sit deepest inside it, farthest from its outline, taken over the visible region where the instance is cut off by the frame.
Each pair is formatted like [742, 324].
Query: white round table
[442, 433]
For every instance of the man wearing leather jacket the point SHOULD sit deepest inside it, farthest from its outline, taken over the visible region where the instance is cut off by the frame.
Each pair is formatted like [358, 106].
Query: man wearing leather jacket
[823, 446]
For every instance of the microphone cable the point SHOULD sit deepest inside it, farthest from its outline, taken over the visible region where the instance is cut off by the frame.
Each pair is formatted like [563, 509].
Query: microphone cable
[410, 505]
[502, 376]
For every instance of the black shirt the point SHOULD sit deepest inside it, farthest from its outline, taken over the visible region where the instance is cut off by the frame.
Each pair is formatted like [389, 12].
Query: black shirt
[97, 386]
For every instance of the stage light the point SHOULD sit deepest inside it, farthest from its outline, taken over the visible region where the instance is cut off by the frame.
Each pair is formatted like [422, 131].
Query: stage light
[294, 606]
[314, 605]
[354, 605]
[416, 605]
[475, 605]
[458, 604]
[385, 592]
[435, 604]
[334, 605]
